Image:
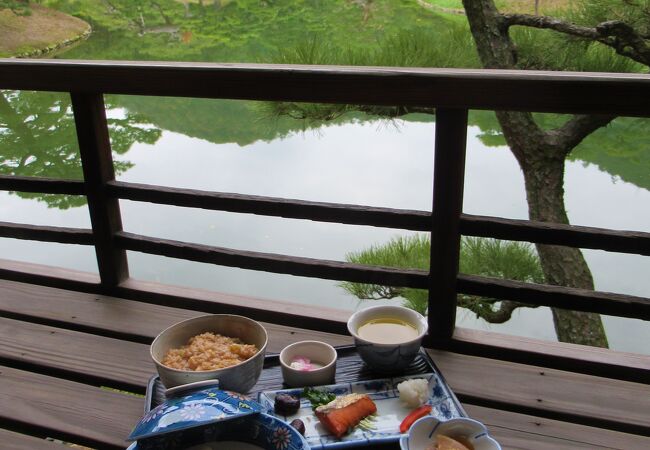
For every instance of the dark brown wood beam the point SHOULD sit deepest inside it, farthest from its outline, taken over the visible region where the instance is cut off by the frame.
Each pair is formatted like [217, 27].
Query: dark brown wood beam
[97, 163]
[448, 182]
[556, 296]
[273, 206]
[62, 235]
[43, 275]
[537, 91]
[635, 242]
[41, 185]
[597, 361]
[269, 262]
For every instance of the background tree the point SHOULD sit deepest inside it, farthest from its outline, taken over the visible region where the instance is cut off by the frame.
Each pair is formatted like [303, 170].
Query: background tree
[541, 153]
[38, 138]
[540, 145]
[478, 256]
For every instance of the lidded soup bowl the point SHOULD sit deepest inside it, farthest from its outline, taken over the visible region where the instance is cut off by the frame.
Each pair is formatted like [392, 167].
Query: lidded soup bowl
[239, 377]
[388, 352]
[211, 418]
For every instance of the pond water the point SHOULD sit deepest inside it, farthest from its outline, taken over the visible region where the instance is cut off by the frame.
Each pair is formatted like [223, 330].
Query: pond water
[231, 147]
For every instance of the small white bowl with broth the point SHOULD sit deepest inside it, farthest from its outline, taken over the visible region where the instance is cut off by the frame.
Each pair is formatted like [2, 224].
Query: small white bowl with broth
[387, 337]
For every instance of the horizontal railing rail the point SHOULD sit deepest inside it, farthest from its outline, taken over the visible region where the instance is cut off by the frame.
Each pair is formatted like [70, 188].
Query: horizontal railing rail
[621, 241]
[533, 294]
[559, 92]
[273, 206]
[46, 233]
[268, 262]
[450, 92]
[42, 185]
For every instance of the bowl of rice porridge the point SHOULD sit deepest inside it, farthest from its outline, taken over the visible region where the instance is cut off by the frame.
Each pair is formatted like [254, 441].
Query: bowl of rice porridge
[226, 347]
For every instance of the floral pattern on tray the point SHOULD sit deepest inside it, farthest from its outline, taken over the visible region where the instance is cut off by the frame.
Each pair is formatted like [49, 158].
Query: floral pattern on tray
[385, 424]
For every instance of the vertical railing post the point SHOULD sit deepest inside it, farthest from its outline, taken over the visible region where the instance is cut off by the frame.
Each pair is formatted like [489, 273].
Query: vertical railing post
[97, 163]
[448, 182]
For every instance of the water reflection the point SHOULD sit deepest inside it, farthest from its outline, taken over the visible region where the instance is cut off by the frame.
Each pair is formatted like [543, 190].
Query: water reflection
[225, 146]
[360, 162]
[38, 139]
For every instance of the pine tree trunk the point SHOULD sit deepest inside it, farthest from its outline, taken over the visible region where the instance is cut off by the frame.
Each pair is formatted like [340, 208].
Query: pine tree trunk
[543, 170]
[542, 163]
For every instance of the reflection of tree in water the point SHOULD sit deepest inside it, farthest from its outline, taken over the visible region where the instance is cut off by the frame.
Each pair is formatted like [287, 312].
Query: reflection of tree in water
[38, 139]
[622, 149]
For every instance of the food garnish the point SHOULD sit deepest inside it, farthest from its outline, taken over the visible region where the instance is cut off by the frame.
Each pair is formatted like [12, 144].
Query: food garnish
[368, 423]
[317, 398]
[414, 392]
[446, 443]
[298, 425]
[304, 364]
[413, 416]
[344, 413]
[286, 404]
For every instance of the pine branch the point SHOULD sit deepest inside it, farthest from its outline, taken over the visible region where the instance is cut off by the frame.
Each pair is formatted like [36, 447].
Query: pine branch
[569, 135]
[484, 308]
[624, 39]
[552, 23]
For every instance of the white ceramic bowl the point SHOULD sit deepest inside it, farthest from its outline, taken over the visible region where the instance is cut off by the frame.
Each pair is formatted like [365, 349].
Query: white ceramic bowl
[239, 378]
[425, 430]
[387, 358]
[316, 351]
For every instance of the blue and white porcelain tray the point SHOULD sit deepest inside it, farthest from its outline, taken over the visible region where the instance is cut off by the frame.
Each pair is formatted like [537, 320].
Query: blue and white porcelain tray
[385, 423]
[350, 371]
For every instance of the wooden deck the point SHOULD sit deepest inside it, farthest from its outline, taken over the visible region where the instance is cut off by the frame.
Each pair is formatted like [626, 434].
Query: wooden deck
[61, 350]
[75, 345]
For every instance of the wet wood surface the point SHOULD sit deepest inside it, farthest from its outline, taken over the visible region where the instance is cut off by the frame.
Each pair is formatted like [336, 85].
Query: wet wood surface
[63, 353]
[586, 399]
[20, 441]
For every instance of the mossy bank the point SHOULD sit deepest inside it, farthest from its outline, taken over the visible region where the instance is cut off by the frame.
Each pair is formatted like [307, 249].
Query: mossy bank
[38, 33]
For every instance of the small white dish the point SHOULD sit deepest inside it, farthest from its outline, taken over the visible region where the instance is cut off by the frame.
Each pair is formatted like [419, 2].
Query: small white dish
[316, 352]
[424, 432]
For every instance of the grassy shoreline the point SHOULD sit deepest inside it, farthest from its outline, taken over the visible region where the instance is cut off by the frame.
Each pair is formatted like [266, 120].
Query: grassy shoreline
[43, 31]
[510, 6]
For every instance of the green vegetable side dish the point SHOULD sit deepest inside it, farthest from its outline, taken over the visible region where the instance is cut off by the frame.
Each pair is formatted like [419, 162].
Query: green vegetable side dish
[317, 398]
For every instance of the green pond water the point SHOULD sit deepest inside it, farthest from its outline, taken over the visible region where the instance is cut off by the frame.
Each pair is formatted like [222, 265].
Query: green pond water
[234, 146]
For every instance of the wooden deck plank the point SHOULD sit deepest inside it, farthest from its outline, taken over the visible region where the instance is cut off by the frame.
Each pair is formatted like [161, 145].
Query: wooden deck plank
[100, 418]
[522, 431]
[120, 318]
[67, 410]
[19, 441]
[623, 405]
[108, 361]
[512, 386]
[564, 356]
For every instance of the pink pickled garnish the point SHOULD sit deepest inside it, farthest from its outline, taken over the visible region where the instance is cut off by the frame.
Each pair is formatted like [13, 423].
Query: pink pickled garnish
[302, 363]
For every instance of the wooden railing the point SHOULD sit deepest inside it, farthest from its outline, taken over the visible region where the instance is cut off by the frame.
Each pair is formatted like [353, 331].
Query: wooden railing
[451, 92]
